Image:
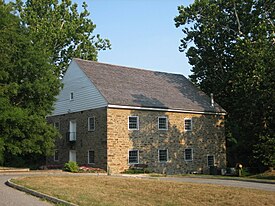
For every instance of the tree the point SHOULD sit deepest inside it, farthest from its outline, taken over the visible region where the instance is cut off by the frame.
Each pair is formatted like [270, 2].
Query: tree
[232, 56]
[62, 29]
[28, 86]
[264, 150]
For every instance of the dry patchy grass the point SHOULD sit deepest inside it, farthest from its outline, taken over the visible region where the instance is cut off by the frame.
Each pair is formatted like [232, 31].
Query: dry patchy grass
[108, 190]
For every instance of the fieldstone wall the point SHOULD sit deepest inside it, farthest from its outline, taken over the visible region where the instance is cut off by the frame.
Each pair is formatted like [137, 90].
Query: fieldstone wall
[206, 138]
[85, 140]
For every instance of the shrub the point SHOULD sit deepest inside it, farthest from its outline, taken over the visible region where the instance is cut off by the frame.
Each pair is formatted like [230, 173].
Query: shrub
[71, 166]
[136, 171]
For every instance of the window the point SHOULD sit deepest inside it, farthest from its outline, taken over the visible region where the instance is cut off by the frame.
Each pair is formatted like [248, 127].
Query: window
[163, 155]
[133, 123]
[72, 155]
[133, 157]
[56, 125]
[210, 160]
[188, 154]
[72, 130]
[162, 123]
[187, 124]
[91, 123]
[56, 155]
[71, 96]
[91, 157]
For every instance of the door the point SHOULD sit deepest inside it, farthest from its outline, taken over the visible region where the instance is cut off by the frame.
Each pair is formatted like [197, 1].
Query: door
[72, 155]
[72, 130]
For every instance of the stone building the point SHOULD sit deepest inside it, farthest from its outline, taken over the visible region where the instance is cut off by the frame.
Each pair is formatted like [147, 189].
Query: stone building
[113, 117]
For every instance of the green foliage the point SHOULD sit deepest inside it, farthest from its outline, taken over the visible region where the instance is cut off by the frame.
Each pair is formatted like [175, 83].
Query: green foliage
[71, 166]
[65, 32]
[265, 150]
[36, 46]
[28, 86]
[136, 171]
[232, 55]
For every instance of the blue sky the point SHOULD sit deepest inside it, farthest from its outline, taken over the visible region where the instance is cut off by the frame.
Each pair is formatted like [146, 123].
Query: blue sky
[142, 33]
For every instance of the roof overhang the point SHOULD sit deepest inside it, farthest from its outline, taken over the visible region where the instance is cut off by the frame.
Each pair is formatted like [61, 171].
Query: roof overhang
[112, 106]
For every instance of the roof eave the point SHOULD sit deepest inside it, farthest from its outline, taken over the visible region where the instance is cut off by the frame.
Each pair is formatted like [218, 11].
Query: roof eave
[113, 106]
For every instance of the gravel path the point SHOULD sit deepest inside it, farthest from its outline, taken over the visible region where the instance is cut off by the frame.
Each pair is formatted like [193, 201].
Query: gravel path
[13, 197]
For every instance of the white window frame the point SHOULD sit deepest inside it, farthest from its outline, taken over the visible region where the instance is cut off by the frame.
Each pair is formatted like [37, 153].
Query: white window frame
[137, 123]
[72, 153]
[71, 95]
[166, 123]
[188, 160]
[89, 162]
[213, 160]
[89, 119]
[133, 150]
[54, 157]
[167, 156]
[72, 137]
[188, 130]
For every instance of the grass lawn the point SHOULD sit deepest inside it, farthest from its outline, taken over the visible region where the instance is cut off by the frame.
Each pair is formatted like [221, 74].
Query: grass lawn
[108, 190]
[268, 175]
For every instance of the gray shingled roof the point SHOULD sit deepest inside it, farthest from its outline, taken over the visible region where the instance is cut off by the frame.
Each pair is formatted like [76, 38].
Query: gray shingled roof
[143, 88]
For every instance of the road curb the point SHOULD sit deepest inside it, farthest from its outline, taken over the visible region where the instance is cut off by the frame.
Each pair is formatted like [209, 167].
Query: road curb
[14, 170]
[38, 194]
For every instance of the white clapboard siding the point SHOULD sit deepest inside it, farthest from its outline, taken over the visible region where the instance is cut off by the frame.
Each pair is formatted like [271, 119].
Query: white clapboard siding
[86, 95]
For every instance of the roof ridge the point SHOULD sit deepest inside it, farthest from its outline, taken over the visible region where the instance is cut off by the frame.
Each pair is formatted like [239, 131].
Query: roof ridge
[128, 67]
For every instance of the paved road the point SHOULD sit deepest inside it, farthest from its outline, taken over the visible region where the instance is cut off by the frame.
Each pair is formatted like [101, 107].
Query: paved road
[231, 183]
[199, 180]
[13, 197]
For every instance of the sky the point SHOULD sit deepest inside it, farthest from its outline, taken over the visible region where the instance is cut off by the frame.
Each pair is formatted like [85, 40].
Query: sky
[142, 33]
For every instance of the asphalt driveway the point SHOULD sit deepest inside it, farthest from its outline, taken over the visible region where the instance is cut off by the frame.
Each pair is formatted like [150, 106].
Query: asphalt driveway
[13, 197]
[230, 183]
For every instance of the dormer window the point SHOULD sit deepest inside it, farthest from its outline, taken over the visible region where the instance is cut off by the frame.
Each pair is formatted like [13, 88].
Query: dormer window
[71, 95]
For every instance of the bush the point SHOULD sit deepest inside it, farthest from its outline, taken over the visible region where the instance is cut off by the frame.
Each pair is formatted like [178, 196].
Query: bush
[71, 167]
[136, 171]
